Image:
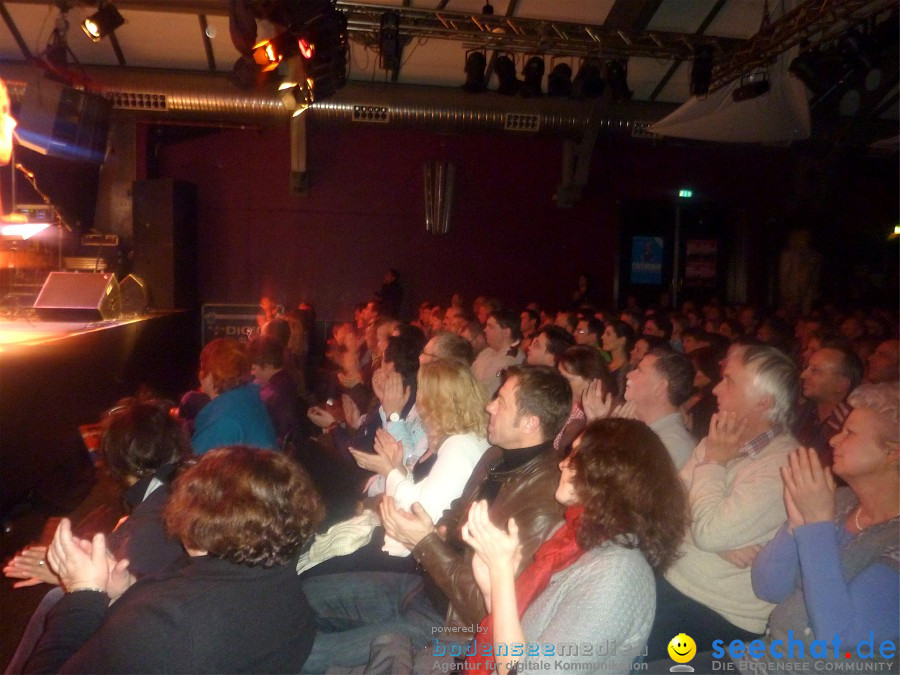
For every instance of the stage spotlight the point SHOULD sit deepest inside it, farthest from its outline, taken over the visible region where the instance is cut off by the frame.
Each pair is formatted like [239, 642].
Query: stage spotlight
[559, 81]
[617, 78]
[533, 74]
[268, 54]
[506, 73]
[476, 62]
[588, 83]
[297, 96]
[701, 71]
[102, 22]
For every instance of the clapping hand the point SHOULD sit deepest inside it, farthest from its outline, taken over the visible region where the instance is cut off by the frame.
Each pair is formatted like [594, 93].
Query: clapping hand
[395, 394]
[80, 563]
[388, 455]
[407, 528]
[808, 489]
[724, 440]
[500, 551]
[30, 566]
[320, 417]
[597, 404]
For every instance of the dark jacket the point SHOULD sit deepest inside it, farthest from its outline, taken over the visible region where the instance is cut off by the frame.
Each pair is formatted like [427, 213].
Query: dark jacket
[207, 616]
[515, 489]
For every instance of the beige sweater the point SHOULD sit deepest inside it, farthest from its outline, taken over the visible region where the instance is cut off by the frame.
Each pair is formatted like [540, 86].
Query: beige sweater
[731, 506]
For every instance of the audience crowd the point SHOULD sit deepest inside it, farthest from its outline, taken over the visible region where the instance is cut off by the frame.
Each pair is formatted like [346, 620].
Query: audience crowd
[493, 489]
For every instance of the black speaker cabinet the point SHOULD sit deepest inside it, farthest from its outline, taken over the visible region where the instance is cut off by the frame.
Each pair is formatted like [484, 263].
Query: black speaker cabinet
[74, 296]
[135, 296]
[165, 241]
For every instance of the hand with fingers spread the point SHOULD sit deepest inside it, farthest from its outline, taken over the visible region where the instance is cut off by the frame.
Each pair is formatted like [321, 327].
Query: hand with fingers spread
[395, 394]
[725, 437]
[30, 565]
[500, 551]
[626, 411]
[741, 558]
[120, 578]
[808, 489]
[407, 528]
[597, 403]
[81, 564]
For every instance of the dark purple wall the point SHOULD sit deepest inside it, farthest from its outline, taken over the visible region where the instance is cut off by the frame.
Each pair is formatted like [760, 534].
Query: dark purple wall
[365, 212]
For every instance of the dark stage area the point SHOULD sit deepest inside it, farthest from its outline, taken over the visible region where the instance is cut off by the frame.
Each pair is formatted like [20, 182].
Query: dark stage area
[55, 377]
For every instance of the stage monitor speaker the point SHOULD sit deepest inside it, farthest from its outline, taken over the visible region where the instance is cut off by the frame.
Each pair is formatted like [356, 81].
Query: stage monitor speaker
[63, 122]
[135, 296]
[72, 296]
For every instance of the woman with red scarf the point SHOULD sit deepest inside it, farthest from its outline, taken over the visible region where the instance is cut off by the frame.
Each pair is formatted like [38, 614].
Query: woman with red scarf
[587, 601]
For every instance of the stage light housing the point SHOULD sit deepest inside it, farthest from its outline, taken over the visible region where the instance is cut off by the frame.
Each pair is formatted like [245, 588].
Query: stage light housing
[559, 81]
[588, 82]
[476, 62]
[102, 22]
[617, 78]
[533, 76]
[506, 74]
[701, 71]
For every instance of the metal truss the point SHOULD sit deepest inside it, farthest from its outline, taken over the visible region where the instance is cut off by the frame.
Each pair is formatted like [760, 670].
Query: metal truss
[539, 36]
[812, 22]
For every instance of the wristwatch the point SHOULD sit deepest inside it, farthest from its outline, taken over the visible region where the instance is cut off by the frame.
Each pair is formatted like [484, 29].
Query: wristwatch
[394, 417]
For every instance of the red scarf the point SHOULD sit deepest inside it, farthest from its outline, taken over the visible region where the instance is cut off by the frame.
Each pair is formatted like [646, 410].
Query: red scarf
[555, 554]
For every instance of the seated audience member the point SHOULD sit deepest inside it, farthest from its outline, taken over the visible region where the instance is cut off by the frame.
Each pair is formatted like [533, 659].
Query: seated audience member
[694, 337]
[775, 332]
[731, 329]
[548, 346]
[884, 364]
[699, 409]
[580, 365]
[455, 318]
[663, 381]
[503, 349]
[567, 321]
[451, 404]
[241, 514]
[487, 307]
[530, 320]
[618, 341]
[601, 559]
[141, 444]
[474, 333]
[832, 569]
[852, 328]
[643, 345]
[282, 330]
[235, 413]
[634, 318]
[189, 407]
[659, 326]
[833, 372]
[589, 332]
[448, 347]
[518, 477]
[734, 491]
[278, 390]
[391, 294]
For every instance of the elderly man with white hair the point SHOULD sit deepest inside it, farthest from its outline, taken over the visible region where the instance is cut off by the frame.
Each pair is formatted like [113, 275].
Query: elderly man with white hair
[735, 495]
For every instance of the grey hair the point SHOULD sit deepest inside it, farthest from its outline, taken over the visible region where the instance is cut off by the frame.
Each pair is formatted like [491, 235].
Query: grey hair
[452, 347]
[884, 401]
[774, 375]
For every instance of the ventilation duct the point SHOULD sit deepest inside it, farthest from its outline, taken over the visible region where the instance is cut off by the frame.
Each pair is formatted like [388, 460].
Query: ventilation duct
[158, 96]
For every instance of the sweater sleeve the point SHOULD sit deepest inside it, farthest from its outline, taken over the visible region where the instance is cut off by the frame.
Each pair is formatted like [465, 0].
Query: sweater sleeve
[776, 569]
[867, 603]
[444, 483]
[728, 516]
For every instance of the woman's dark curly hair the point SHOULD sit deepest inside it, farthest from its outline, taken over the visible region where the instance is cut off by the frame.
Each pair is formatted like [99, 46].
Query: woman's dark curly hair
[630, 490]
[139, 436]
[249, 506]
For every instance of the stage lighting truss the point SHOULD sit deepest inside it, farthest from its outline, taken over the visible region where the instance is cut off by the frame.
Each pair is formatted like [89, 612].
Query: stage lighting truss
[102, 22]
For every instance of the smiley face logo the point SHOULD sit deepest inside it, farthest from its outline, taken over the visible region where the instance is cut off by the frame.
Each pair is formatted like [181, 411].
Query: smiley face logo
[682, 648]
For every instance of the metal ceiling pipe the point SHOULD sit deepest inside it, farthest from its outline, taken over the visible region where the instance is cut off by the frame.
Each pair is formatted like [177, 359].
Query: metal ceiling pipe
[157, 96]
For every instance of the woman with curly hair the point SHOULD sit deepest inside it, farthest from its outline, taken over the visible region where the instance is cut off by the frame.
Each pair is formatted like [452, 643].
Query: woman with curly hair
[592, 581]
[234, 605]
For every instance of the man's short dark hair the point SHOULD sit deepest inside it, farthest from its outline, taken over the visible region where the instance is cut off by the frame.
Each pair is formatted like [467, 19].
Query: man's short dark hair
[558, 340]
[266, 351]
[543, 392]
[507, 318]
[403, 351]
[532, 315]
[678, 371]
[278, 329]
[594, 326]
[850, 365]
[662, 322]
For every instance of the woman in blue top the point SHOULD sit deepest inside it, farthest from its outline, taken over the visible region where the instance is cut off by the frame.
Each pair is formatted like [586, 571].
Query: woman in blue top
[235, 414]
[833, 568]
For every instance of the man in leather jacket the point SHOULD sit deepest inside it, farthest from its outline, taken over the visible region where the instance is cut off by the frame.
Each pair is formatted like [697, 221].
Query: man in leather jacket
[518, 476]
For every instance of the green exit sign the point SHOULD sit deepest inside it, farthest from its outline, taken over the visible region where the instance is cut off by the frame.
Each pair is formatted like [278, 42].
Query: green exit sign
[685, 193]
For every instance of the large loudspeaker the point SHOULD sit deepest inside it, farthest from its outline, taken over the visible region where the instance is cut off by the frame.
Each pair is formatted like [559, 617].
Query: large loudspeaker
[165, 241]
[135, 296]
[71, 296]
[63, 122]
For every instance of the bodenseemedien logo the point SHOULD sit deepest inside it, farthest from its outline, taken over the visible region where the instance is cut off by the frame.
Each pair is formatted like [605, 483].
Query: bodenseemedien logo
[682, 649]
